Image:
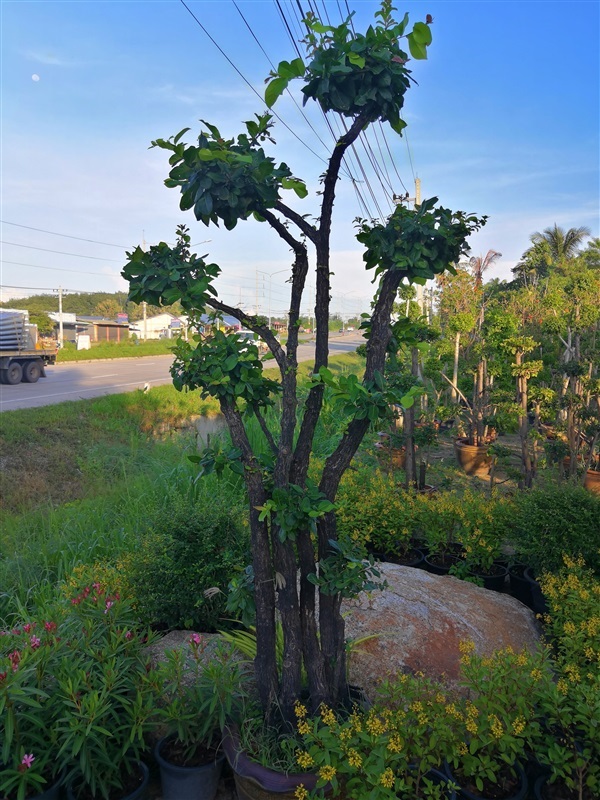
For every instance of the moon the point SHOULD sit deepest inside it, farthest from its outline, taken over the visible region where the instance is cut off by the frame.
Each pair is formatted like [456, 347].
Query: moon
[35, 77]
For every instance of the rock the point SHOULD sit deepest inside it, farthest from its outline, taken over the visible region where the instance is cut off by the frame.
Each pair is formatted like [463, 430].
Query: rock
[419, 620]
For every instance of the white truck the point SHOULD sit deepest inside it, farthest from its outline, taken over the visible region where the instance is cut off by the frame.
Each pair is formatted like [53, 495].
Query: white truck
[22, 357]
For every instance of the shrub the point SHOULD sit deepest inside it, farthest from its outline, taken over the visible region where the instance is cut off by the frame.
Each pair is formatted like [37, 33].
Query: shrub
[373, 511]
[178, 575]
[549, 522]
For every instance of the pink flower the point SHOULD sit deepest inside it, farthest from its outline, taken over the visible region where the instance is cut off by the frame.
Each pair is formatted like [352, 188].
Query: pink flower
[3, 676]
[196, 639]
[28, 760]
[128, 635]
[28, 627]
[109, 604]
[34, 642]
[50, 626]
[15, 657]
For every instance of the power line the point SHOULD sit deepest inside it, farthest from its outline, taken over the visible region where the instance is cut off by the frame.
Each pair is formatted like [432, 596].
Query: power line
[59, 252]
[246, 81]
[273, 66]
[65, 235]
[58, 269]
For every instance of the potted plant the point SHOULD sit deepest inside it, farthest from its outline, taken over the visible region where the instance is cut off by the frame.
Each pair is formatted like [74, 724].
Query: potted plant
[438, 518]
[389, 751]
[299, 570]
[106, 702]
[72, 700]
[195, 693]
[495, 725]
[29, 709]
[568, 746]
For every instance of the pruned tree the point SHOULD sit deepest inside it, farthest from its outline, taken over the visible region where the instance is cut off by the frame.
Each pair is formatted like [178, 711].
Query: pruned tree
[295, 551]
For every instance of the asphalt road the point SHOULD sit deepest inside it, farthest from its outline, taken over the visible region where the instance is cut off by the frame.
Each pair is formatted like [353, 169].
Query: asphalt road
[82, 380]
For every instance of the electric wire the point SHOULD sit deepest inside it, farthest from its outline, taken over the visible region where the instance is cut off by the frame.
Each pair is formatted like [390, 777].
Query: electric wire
[59, 252]
[308, 122]
[64, 235]
[56, 269]
[246, 81]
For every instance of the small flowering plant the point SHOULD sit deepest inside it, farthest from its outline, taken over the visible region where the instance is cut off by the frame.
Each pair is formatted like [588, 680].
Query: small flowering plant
[569, 699]
[72, 697]
[384, 753]
[497, 721]
[195, 692]
[29, 654]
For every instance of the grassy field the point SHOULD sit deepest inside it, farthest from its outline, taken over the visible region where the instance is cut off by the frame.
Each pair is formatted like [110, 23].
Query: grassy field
[80, 480]
[129, 349]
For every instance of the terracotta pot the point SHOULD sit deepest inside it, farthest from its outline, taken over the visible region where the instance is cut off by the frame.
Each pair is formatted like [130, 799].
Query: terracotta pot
[592, 481]
[395, 455]
[472, 458]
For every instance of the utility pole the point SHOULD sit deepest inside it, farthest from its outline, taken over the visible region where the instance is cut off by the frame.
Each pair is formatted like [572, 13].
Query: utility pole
[60, 316]
[144, 310]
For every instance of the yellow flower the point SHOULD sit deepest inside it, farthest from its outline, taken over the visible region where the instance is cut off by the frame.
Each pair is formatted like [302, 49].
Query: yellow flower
[395, 743]
[496, 726]
[386, 778]
[301, 793]
[536, 674]
[521, 659]
[562, 686]
[354, 758]
[303, 727]
[327, 715]
[300, 710]
[462, 749]
[374, 724]
[305, 760]
[327, 772]
[471, 726]
[518, 726]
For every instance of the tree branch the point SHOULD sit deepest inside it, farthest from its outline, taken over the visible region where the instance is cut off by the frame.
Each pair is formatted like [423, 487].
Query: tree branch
[265, 429]
[307, 229]
[281, 229]
[252, 323]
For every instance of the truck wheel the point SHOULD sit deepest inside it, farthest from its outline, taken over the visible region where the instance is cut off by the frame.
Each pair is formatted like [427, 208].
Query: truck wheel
[13, 373]
[32, 372]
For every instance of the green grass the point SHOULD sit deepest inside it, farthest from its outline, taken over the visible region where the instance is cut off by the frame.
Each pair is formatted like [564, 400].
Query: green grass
[129, 349]
[69, 451]
[81, 480]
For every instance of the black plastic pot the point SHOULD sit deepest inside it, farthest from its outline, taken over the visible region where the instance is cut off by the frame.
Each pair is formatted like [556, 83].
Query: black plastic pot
[188, 783]
[440, 565]
[494, 581]
[520, 794]
[538, 601]
[139, 793]
[520, 586]
[413, 558]
[52, 792]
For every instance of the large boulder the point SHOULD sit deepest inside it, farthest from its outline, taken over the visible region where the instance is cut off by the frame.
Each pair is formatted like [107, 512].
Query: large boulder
[417, 623]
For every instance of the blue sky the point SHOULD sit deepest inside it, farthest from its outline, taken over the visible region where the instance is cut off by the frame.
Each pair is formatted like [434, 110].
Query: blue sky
[504, 122]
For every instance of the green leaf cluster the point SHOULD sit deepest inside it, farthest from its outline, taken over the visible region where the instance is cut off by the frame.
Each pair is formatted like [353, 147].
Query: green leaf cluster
[226, 367]
[354, 73]
[165, 275]
[227, 179]
[421, 242]
[293, 509]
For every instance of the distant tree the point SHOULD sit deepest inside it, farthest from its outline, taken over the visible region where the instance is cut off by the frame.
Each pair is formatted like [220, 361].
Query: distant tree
[591, 255]
[479, 264]
[44, 324]
[108, 308]
[564, 245]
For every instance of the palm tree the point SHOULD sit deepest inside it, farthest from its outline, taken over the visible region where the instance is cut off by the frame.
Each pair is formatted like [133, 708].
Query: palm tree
[563, 244]
[479, 264]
